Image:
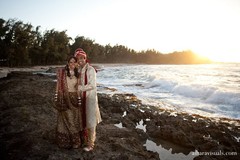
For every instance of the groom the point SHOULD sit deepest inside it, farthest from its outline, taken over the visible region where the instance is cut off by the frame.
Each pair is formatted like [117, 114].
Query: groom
[88, 91]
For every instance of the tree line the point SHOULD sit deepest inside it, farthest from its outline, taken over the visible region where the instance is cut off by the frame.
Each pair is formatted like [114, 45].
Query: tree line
[22, 44]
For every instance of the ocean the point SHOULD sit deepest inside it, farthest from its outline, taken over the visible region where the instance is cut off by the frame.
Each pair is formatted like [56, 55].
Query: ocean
[211, 90]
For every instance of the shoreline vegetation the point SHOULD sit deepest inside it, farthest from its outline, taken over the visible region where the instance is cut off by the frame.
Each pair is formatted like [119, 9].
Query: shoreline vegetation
[130, 129]
[25, 45]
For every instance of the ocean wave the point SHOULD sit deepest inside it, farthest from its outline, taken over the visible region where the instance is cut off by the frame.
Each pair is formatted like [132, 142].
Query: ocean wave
[212, 89]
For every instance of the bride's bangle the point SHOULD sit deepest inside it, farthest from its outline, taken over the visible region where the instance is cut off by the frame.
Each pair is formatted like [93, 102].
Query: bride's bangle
[79, 100]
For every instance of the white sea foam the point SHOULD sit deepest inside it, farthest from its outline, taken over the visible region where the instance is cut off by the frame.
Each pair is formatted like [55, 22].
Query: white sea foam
[208, 90]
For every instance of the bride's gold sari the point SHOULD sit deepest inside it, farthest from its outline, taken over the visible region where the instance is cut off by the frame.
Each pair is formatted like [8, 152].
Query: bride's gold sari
[69, 121]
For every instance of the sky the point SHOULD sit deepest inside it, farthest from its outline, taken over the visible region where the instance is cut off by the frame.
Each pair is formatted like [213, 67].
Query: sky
[210, 28]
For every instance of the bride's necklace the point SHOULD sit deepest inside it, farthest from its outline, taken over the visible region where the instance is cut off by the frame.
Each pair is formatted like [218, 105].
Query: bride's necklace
[71, 73]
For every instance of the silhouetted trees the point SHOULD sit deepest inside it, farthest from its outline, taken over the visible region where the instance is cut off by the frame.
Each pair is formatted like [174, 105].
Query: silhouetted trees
[23, 45]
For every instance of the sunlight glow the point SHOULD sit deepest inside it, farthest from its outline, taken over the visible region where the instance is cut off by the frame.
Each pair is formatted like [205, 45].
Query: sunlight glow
[168, 28]
[207, 27]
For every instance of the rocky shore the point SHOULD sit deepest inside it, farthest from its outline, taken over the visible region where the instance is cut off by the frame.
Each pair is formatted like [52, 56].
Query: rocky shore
[129, 130]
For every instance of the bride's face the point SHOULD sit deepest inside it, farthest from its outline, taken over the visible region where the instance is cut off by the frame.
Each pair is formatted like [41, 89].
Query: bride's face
[72, 63]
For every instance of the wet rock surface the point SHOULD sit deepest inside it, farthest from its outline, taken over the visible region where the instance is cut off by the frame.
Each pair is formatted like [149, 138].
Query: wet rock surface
[28, 120]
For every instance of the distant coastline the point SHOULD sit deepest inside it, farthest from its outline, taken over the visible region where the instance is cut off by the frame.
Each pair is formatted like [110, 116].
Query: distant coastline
[5, 70]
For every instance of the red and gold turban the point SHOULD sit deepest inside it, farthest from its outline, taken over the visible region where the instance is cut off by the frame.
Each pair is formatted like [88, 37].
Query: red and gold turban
[80, 52]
